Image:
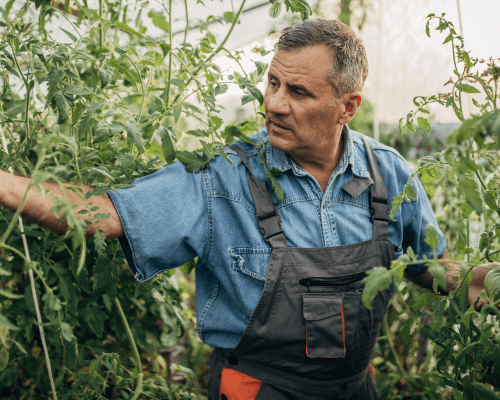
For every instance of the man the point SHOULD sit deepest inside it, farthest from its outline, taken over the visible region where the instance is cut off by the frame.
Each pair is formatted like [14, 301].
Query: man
[279, 288]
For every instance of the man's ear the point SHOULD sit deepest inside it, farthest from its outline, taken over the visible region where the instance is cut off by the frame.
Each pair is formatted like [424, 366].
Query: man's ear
[351, 102]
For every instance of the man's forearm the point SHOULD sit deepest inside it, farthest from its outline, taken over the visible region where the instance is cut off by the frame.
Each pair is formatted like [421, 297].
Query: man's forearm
[37, 206]
[426, 280]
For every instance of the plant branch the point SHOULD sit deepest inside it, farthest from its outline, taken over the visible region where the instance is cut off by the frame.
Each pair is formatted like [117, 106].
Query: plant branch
[130, 336]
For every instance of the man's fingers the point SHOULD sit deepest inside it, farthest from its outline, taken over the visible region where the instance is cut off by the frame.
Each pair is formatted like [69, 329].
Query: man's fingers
[480, 303]
[475, 299]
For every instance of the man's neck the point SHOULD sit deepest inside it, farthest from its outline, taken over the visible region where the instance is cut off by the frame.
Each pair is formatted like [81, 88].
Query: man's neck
[321, 168]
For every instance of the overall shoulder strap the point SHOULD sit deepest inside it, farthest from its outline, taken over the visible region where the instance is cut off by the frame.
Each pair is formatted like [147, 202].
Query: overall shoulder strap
[268, 218]
[379, 197]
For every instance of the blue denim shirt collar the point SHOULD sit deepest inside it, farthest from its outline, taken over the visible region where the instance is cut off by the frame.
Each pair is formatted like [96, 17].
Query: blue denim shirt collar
[282, 161]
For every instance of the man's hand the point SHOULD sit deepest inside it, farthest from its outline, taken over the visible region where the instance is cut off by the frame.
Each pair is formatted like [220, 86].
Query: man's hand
[36, 208]
[426, 279]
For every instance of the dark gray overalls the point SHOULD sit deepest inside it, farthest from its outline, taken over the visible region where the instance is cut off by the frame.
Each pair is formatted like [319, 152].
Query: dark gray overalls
[310, 337]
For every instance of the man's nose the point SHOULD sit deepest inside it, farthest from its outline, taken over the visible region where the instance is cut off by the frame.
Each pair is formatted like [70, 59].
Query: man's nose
[278, 103]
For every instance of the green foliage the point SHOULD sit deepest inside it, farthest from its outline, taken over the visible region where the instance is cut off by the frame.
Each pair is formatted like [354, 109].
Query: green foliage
[106, 107]
[463, 182]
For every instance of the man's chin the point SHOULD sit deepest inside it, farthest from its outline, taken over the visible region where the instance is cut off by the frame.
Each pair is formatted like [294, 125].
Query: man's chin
[278, 141]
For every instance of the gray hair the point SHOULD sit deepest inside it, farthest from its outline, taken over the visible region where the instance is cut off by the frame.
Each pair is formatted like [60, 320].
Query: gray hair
[350, 65]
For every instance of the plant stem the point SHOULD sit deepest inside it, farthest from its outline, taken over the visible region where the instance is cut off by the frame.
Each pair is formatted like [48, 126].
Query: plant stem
[480, 178]
[218, 49]
[187, 21]
[101, 26]
[393, 349]
[142, 86]
[26, 258]
[138, 389]
[27, 121]
[169, 76]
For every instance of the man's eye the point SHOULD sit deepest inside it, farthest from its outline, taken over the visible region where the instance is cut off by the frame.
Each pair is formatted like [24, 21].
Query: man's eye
[300, 93]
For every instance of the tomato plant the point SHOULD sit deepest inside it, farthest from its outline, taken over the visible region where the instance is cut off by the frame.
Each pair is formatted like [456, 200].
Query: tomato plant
[107, 107]
[464, 181]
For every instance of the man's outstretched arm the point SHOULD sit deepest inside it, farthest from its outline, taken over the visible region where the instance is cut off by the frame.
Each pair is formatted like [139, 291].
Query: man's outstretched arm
[13, 188]
[425, 279]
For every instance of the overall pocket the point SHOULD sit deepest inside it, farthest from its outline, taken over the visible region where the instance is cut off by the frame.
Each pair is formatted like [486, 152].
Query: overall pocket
[325, 328]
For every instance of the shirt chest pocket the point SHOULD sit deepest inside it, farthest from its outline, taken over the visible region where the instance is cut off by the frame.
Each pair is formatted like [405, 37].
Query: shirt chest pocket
[248, 273]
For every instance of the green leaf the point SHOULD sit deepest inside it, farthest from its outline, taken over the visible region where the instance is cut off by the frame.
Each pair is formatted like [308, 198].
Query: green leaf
[177, 111]
[228, 17]
[95, 319]
[126, 28]
[4, 272]
[127, 162]
[67, 332]
[247, 98]
[167, 144]
[395, 205]
[466, 350]
[378, 278]
[66, 285]
[485, 392]
[463, 87]
[100, 243]
[4, 322]
[261, 66]
[405, 330]
[221, 89]
[70, 35]
[256, 93]
[193, 161]
[105, 75]
[165, 48]
[10, 295]
[275, 186]
[490, 200]
[135, 133]
[438, 310]
[54, 76]
[423, 123]
[464, 298]
[76, 90]
[468, 187]
[448, 38]
[105, 277]
[431, 236]
[4, 358]
[224, 155]
[439, 274]
[275, 10]
[492, 283]
[409, 192]
[62, 107]
[177, 82]
[159, 20]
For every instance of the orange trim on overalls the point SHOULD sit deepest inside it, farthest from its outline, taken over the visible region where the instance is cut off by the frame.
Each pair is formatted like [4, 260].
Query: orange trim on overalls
[372, 372]
[343, 336]
[235, 385]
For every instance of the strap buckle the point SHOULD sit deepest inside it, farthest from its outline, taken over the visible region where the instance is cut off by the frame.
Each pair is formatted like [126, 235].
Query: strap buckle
[270, 227]
[379, 211]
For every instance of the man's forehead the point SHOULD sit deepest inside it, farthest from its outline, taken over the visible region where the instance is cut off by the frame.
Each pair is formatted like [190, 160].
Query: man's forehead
[305, 64]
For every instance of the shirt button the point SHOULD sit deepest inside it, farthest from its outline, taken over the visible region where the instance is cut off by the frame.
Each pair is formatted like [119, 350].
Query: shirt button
[233, 360]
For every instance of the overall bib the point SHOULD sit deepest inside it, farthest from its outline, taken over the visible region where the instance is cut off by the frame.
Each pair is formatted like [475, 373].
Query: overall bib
[310, 337]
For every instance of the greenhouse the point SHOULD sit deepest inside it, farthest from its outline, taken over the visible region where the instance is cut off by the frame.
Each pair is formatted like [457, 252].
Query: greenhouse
[196, 202]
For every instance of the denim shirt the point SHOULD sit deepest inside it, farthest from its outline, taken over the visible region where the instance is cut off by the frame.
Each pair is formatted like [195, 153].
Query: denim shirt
[173, 215]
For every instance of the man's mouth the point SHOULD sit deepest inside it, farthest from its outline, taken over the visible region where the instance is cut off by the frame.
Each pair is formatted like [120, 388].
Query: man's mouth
[278, 125]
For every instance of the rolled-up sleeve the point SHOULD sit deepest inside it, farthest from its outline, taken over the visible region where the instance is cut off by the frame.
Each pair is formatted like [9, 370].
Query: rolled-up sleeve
[165, 220]
[417, 215]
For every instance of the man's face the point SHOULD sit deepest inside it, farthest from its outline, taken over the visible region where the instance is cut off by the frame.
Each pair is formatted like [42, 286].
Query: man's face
[302, 114]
